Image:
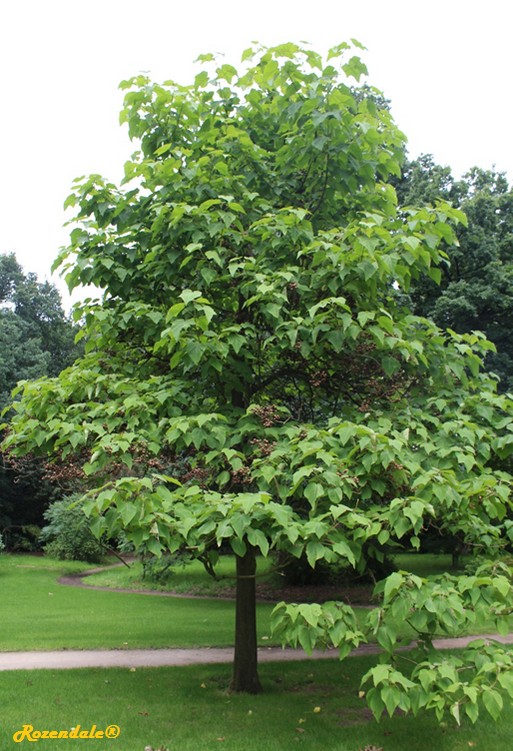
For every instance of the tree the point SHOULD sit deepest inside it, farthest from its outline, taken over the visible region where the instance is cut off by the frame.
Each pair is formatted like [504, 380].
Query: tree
[252, 379]
[22, 354]
[36, 309]
[476, 290]
[36, 339]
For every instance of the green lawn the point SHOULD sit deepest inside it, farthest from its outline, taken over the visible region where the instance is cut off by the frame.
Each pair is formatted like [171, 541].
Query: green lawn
[193, 579]
[428, 564]
[312, 705]
[189, 579]
[39, 613]
[189, 709]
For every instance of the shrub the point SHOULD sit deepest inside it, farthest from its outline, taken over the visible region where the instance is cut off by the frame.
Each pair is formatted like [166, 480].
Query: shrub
[160, 569]
[67, 536]
[22, 538]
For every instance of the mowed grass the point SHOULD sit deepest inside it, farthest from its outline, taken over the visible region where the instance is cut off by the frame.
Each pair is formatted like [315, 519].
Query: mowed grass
[190, 578]
[429, 564]
[312, 706]
[193, 579]
[38, 613]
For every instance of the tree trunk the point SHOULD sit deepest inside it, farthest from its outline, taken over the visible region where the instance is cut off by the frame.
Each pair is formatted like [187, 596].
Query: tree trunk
[245, 661]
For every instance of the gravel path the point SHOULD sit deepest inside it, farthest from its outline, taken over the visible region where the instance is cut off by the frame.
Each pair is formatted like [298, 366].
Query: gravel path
[138, 658]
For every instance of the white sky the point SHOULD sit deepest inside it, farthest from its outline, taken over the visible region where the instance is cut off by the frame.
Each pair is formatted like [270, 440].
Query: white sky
[445, 65]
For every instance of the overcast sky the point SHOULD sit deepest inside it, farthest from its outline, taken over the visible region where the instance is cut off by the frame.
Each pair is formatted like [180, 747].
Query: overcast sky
[446, 67]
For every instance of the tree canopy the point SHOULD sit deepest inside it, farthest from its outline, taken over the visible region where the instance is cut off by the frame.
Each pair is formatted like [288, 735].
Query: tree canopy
[37, 336]
[36, 339]
[253, 379]
[476, 289]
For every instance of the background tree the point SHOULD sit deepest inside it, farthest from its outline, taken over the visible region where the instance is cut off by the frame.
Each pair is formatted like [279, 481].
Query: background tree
[252, 377]
[22, 356]
[36, 339]
[476, 289]
[34, 308]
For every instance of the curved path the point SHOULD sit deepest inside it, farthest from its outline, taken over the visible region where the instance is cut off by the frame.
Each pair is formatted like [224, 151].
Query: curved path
[77, 580]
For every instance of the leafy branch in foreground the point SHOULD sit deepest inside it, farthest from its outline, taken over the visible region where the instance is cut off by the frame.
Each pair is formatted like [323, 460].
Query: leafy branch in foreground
[411, 675]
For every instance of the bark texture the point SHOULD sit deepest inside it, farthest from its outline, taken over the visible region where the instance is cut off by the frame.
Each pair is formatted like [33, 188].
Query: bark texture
[245, 663]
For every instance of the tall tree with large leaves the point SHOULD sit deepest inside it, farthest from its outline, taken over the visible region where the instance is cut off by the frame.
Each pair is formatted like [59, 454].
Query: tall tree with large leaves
[252, 378]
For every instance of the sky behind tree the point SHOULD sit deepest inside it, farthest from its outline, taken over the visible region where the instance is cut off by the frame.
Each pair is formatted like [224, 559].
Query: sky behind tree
[445, 66]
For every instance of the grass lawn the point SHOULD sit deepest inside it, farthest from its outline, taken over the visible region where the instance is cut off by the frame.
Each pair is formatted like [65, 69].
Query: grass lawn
[428, 564]
[39, 613]
[189, 709]
[312, 705]
[183, 579]
[193, 579]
